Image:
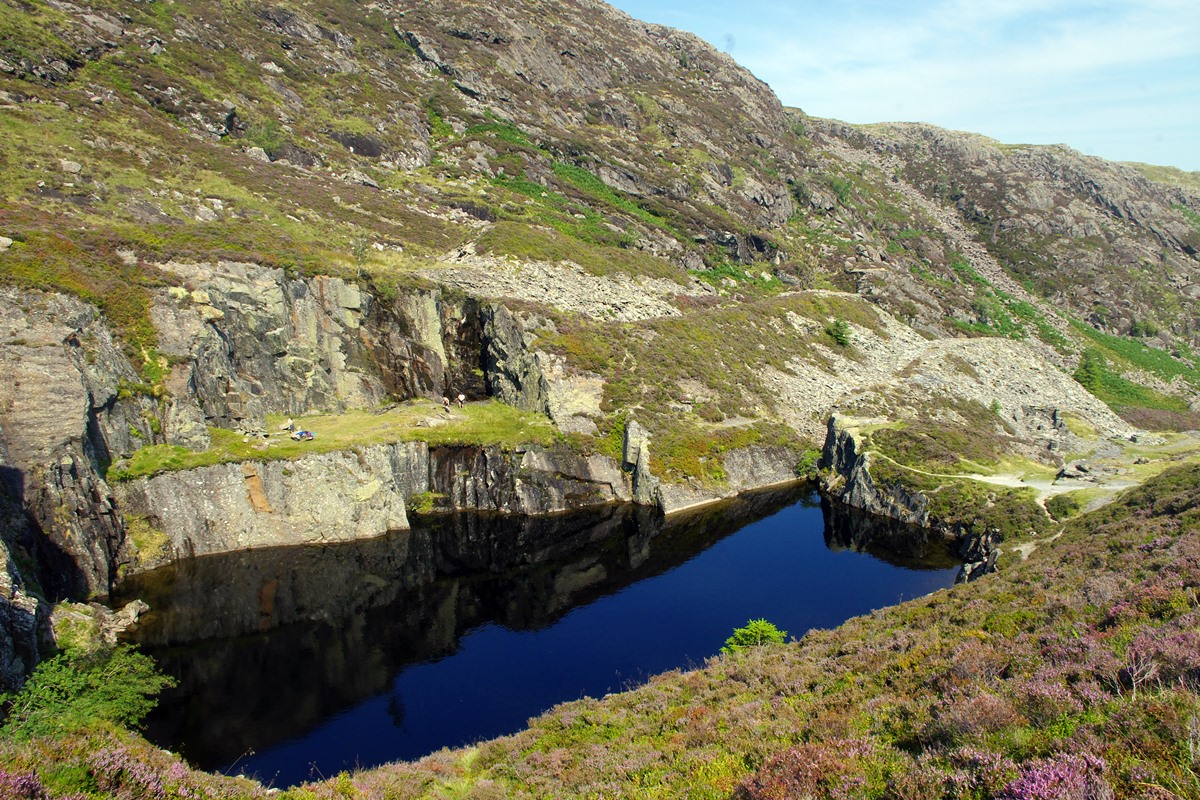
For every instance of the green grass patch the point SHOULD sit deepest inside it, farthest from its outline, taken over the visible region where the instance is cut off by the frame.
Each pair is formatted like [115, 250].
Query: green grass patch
[972, 506]
[939, 447]
[490, 423]
[755, 285]
[1138, 354]
[1097, 376]
[150, 542]
[502, 130]
[539, 244]
[694, 449]
[1028, 313]
[591, 185]
[28, 33]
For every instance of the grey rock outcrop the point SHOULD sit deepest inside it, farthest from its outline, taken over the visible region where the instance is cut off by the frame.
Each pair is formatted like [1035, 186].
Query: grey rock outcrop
[92, 626]
[635, 455]
[848, 477]
[65, 413]
[23, 615]
[321, 498]
[249, 341]
[360, 494]
[514, 375]
[745, 469]
[846, 466]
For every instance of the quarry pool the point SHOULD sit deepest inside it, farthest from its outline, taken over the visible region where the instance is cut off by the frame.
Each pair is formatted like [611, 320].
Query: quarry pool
[297, 663]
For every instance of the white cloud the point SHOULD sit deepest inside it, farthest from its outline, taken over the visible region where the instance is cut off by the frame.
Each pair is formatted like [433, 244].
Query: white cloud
[1087, 72]
[997, 68]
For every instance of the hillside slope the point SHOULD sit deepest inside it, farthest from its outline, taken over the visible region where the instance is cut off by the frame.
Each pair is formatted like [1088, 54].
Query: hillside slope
[218, 211]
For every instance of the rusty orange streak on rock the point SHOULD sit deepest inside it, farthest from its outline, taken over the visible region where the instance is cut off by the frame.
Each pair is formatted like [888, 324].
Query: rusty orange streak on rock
[254, 486]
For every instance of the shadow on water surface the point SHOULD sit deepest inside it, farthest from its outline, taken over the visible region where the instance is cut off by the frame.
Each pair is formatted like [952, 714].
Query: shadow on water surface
[468, 624]
[268, 643]
[890, 541]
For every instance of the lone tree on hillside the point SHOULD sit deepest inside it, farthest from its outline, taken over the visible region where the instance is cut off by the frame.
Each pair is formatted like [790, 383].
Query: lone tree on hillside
[756, 632]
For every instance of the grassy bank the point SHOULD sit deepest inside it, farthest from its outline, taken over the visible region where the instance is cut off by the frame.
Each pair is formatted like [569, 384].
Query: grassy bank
[417, 420]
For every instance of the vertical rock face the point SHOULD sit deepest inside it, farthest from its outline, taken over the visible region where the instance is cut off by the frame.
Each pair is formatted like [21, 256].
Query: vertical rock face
[65, 414]
[422, 345]
[351, 495]
[251, 341]
[322, 498]
[848, 479]
[23, 616]
[245, 341]
[514, 375]
[635, 453]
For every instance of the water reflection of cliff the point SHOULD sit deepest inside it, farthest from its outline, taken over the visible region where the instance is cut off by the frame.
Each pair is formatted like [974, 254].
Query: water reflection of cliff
[889, 540]
[268, 644]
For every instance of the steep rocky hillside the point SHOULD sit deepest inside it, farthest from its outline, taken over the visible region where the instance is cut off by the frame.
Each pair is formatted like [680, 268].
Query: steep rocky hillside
[651, 283]
[1096, 238]
[215, 212]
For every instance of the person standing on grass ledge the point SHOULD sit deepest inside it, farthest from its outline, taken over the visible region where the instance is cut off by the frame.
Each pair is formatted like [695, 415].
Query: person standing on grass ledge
[446, 404]
[461, 398]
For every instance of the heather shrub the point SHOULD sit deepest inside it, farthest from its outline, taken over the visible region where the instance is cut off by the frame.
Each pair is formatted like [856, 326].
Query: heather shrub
[979, 773]
[1062, 777]
[977, 661]
[21, 786]
[1044, 700]
[806, 770]
[964, 716]
[117, 768]
[1176, 656]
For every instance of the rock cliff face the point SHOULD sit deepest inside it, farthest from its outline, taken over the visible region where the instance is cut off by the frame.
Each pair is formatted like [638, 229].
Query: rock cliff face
[348, 495]
[23, 613]
[242, 342]
[65, 413]
[248, 340]
[847, 478]
[1098, 238]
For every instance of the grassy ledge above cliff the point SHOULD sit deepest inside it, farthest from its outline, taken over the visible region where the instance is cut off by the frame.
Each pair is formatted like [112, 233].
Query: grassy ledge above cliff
[416, 420]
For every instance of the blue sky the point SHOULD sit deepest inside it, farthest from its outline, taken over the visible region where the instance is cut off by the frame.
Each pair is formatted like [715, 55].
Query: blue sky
[1120, 80]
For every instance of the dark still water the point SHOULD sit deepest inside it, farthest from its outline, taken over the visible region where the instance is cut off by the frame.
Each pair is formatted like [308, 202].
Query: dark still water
[300, 662]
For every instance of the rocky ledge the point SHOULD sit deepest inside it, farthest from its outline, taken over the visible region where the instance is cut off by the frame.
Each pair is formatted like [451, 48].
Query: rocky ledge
[846, 477]
[368, 491]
